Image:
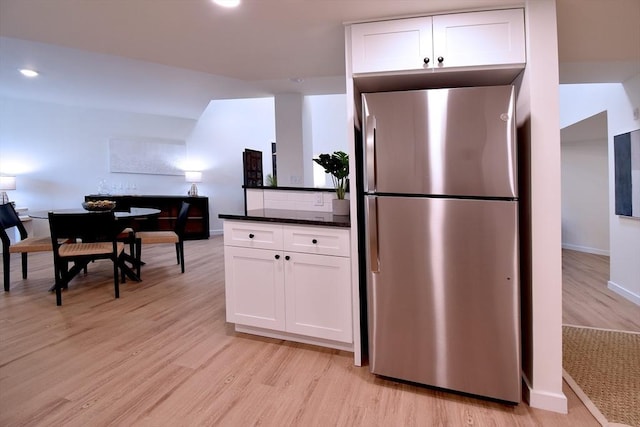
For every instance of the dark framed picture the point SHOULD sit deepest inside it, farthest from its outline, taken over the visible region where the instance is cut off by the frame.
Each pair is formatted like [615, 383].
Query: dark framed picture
[626, 148]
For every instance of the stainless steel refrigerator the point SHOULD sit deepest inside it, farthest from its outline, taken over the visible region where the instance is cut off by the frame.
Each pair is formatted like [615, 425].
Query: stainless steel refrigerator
[441, 219]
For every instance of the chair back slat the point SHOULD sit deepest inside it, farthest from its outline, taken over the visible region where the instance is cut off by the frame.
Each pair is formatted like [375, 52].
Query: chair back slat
[87, 227]
[9, 218]
[181, 221]
[90, 228]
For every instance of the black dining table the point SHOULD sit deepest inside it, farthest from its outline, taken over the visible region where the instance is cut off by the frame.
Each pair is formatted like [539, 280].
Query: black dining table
[131, 213]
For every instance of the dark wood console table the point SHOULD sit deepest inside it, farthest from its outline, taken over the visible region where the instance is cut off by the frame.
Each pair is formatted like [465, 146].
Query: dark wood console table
[197, 223]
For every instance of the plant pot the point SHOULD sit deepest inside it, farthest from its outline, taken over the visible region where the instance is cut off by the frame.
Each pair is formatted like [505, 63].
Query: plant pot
[340, 206]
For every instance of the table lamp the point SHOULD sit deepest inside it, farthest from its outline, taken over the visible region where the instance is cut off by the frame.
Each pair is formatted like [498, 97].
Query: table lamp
[7, 183]
[193, 177]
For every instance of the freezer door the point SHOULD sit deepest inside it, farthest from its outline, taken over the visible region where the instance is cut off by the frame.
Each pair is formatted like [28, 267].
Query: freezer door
[443, 293]
[455, 142]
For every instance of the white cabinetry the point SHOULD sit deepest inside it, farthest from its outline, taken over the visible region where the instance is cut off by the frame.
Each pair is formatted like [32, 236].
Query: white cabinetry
[474, 39]
[254, 287]
[292, 282]
[487, 38]
[318, 296]
[401, 44]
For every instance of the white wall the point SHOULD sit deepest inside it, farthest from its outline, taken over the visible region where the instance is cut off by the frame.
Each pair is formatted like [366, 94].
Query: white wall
[305, 127]
[619, 100]
[539, 135]
[328, 130]
[60, 153]
[585, 186]
[224, 130]
[290, 140]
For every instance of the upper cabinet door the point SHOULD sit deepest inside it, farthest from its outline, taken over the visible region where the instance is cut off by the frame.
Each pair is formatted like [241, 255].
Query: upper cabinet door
[493, 37]
[401, 44]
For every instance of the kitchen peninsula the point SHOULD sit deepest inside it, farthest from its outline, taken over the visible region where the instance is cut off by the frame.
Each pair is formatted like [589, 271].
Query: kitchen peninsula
[288, 274]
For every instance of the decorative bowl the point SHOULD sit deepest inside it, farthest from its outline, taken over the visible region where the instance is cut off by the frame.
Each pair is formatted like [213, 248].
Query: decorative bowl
[99, 205]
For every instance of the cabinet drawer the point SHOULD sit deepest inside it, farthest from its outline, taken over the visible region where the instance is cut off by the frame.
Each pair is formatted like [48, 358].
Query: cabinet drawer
[316, 240]
[252, 235]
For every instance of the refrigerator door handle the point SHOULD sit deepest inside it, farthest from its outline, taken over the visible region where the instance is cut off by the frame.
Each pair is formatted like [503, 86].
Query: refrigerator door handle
[372, 214]
[370, 141]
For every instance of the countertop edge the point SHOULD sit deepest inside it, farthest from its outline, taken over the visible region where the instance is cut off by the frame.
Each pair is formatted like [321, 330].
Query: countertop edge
[298, 221]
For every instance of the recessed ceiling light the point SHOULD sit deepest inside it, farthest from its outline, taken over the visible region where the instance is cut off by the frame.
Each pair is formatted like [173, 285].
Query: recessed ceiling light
[28, 73]
[227, 3]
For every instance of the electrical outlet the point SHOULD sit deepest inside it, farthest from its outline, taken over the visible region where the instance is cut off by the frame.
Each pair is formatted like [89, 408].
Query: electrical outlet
[636, 113]
[318, 199]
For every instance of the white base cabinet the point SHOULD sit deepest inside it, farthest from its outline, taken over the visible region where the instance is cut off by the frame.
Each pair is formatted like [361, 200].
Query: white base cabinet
[291, 282]
[318, 296]
[254, 285]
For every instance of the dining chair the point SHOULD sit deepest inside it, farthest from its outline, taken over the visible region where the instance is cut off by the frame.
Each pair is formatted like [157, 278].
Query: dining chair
[128, 237]
[88, 237]
[8, 219]
[176, 236]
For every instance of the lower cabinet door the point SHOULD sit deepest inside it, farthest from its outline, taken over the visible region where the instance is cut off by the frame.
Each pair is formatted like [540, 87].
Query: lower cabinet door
[318, 296]
[254, 287]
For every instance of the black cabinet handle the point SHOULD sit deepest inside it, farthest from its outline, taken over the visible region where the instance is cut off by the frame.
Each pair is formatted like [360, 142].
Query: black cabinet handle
[440, 59]
[277, 256]
[251, 236]
[287, 257]
[426, 59]
[314, 241]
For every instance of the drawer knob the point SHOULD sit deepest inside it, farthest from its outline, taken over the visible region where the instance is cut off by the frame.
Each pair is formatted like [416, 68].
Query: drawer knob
[314, 241]
[251, 236]
[426, 60]
[277, 256]
[287, 257]
[440, 59]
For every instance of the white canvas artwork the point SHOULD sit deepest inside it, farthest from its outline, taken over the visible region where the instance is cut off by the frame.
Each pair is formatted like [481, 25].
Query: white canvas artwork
[146, 156]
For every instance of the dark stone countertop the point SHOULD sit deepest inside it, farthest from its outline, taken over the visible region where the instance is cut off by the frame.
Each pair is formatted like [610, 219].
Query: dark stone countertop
[286, 216]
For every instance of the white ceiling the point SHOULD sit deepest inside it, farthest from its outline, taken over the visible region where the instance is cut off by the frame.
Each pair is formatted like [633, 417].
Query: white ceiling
[145, 55]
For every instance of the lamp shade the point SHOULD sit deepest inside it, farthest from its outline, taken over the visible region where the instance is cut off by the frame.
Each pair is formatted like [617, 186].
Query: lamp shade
[193, 176]
[7, 182]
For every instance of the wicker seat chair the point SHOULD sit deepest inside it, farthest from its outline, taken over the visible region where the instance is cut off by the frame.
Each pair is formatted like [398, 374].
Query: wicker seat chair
[87, 237]
[9, 219]
[176, 236]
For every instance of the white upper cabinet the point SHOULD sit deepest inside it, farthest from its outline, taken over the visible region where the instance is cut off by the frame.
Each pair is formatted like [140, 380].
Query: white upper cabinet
[479, 38]
[475, 39]
[401, 44]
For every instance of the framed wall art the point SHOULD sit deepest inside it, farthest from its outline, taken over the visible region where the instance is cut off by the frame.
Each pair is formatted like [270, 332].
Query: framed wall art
[146, 156]
[626, 149]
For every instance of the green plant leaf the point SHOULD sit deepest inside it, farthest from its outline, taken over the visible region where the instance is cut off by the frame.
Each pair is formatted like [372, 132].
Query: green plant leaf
[336, 164]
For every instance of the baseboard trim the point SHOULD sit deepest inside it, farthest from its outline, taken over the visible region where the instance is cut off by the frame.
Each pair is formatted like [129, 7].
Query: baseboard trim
[586, 249]
[555, 402]
[634, 298]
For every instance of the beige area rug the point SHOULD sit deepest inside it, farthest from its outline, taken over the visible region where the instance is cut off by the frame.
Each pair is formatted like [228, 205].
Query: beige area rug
[603, 368]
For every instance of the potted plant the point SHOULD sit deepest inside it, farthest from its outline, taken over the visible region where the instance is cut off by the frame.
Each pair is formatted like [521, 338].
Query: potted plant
[337, 164]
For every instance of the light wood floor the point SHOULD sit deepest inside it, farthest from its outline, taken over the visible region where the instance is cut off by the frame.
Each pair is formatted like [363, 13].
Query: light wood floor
[586, 300]
[162, 355]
